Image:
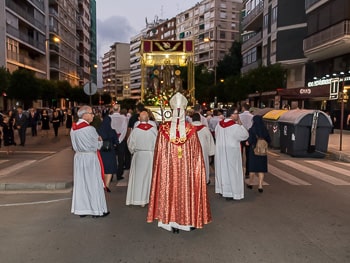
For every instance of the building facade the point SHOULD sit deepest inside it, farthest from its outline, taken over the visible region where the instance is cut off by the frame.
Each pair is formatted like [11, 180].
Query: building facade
[64, 54]
[116, 71]
[213, 25]
[327, 47]
[273, 32]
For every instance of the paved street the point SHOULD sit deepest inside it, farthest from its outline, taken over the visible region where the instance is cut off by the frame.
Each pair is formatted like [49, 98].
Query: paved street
[302, 216]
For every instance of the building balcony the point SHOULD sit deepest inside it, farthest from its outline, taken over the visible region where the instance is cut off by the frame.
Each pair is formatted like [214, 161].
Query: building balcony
[26, 62]
[254, 18]
[311, 4]
[253, 40]
[250, 66]
[24, 13]
[331, 42]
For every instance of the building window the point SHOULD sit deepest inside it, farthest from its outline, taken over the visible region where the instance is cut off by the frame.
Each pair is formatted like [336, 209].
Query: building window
[274, 14]
[266, 21]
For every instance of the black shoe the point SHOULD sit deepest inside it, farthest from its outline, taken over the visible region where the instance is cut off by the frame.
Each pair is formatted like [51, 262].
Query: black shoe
[208, 182]
[106, 214]
[82, 215]
[120, 178]
[249, 186]
[108, 190]
[260, 190]
[229, 198]
[175, 230]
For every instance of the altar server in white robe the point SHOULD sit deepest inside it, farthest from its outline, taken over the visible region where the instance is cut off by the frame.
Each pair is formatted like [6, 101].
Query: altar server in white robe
[228, 157]
[207, 142]
[141, 143]
[88, 189]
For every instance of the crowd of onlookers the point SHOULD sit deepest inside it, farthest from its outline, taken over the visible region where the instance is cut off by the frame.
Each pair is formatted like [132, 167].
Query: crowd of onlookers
[37, 120]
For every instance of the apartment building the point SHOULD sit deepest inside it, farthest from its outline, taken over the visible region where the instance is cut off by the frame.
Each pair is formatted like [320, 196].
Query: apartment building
[23, 41]
[23, 36]
[64, 55]
[116, 71]
[158, 29]
[273, 32]
[327, 47]
[213, 25]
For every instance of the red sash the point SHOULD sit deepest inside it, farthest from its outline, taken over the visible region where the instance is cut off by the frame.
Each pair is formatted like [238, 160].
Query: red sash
[144, 126]
[225, 124]
[199, 127]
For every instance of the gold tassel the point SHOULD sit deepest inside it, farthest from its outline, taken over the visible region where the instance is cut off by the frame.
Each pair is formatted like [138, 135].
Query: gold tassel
[179, 152]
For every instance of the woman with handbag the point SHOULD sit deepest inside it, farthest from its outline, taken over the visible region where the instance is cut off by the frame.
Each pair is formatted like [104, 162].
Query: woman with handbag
[110, 141]
[257, 163]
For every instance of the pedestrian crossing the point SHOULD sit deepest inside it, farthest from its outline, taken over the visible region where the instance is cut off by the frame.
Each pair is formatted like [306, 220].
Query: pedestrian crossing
[315, 171]
[11, 169]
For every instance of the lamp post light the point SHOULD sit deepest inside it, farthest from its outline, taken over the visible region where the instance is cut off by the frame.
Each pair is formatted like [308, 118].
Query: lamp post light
[343, 98]
[208, 39]
[56, 40]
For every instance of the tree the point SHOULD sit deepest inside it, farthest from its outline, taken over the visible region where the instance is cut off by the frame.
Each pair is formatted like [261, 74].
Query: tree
[5, 77]
[23, 87]
[231, 64]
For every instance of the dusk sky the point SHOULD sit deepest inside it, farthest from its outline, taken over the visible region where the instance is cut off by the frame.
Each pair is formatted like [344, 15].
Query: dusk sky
[117, 20]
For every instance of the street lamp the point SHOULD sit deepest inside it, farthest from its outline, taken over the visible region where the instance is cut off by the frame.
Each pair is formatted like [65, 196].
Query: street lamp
[343, 98]
[208, 39]
[56, 40]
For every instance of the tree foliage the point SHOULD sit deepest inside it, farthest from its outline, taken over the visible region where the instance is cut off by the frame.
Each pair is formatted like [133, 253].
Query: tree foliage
[23, 87]
[5, 77]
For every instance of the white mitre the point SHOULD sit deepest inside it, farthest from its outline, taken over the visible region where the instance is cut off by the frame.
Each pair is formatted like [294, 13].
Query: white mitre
[178, 103]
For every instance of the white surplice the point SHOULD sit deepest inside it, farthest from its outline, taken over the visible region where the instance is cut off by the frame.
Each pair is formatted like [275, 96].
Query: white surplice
[228, 160]
[88, 193]
[208, 145]
[141, 145]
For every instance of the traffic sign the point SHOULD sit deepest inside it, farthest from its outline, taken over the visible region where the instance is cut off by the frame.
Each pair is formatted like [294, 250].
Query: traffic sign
[90, 88]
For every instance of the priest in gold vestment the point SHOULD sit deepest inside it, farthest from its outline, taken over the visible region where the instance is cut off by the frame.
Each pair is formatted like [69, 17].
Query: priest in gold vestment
[178, 198]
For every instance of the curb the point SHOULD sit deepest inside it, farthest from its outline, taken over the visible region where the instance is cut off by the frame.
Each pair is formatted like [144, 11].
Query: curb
[36, 186]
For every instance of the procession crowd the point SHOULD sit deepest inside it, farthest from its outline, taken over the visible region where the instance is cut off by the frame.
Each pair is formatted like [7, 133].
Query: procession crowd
[168, 162]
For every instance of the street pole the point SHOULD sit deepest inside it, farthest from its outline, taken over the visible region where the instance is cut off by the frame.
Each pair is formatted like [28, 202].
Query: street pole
[341, 121]
[90, 93]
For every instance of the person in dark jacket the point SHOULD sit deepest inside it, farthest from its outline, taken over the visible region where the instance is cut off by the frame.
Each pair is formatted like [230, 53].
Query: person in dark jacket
[21, 122]
[108, 155]
[33, 121]
[257, 164]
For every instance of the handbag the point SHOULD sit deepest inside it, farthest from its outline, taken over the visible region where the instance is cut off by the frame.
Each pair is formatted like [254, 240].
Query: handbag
[261, 146]
[106, 146]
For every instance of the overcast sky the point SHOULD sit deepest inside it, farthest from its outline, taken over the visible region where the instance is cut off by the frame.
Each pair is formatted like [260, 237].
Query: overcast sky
[118, 20]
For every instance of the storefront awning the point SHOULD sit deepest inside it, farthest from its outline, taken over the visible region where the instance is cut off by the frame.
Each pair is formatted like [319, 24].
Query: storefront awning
[304, 92]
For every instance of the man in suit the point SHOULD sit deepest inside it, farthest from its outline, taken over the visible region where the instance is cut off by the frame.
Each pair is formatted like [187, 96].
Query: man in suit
[21, 122]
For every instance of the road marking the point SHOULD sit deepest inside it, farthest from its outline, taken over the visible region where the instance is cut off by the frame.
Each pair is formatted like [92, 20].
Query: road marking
[342, 163]
[287, 177]
[3, 161]
[330, 167]
[31, 152]
[314, 173]
[36, 203]
[15, 167]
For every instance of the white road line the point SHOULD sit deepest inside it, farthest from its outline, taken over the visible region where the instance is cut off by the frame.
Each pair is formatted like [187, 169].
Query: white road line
[31, 152]
[330, 167]
[3, 161]
[15, 167]
[35, 203]
[342, 163]
[287, 177]
[314, 173]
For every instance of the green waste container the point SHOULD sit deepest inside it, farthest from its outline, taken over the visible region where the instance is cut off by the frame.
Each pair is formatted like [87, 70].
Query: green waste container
[304, 133]
[271, 122]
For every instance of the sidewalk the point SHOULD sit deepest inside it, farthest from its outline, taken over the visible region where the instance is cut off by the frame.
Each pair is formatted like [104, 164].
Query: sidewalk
[55, 172]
